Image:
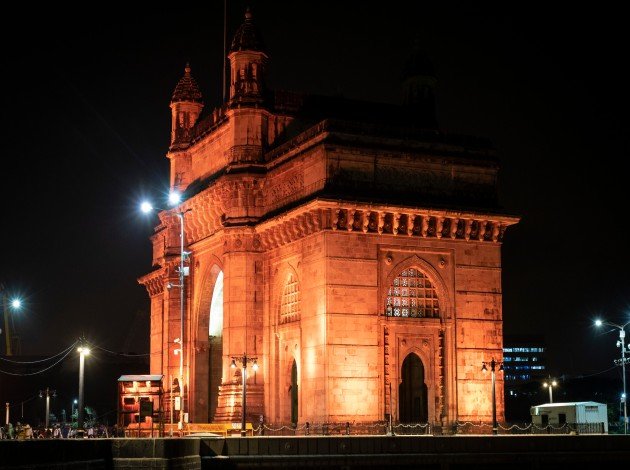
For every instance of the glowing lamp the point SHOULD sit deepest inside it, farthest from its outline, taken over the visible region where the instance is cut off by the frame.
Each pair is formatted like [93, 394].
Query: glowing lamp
[174, 198]
[146, 207]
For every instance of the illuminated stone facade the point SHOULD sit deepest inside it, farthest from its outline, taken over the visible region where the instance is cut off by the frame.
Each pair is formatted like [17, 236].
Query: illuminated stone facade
[352, 248]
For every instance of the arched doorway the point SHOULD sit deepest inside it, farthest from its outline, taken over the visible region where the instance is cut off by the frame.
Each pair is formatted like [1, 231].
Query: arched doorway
[294, 393]
[215, 346]
[412, 392]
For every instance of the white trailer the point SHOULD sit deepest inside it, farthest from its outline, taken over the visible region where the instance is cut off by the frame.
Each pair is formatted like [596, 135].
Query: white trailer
[579, 412]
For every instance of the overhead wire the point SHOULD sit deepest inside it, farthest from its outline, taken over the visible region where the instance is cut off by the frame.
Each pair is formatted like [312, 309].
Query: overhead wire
[40, 360]
[25, 374]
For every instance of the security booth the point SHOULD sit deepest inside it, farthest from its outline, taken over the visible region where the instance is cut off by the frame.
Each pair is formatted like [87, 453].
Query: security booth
[140, 407]
[582, 417]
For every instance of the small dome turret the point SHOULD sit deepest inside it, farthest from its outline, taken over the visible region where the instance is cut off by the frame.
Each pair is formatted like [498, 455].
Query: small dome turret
[247, 37]
[187, 89]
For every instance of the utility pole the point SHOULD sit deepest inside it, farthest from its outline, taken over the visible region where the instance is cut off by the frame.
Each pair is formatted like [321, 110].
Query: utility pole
[48, 392]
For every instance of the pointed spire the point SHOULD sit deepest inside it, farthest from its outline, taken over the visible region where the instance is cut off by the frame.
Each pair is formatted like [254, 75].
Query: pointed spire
[187, 88]
[247, 37]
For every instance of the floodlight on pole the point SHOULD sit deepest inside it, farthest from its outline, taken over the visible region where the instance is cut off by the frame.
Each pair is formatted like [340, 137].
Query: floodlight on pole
[7, 305]
[83, 351]
[621, 344]
[47, 393]
[550, 384]
[174, 199]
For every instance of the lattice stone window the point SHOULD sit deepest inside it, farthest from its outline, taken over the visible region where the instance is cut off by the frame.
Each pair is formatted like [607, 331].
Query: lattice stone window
[412, 295]
[290, 304]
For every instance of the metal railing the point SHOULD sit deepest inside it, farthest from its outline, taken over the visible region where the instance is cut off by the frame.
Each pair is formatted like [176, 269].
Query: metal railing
[382, 428]
[341, 428]
[530, 428]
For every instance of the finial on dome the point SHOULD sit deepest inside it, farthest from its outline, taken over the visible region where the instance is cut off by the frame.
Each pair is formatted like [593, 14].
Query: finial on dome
[187, 88]
[248, 13]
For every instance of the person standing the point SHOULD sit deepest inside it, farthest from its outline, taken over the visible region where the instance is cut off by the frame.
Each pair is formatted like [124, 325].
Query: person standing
[10, 430]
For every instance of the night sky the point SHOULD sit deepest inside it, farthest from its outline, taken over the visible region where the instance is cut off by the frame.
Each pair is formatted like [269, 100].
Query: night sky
[86, 126]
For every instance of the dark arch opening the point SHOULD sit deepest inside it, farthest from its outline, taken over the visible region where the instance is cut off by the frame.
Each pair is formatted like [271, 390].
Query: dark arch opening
[294, 393]
[412, 392]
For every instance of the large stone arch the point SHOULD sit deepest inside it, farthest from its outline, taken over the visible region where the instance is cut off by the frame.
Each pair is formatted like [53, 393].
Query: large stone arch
[286, 342]
[431, 339]
[202, 347]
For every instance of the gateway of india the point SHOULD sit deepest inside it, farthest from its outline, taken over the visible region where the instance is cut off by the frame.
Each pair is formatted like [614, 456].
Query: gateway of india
[351, 249]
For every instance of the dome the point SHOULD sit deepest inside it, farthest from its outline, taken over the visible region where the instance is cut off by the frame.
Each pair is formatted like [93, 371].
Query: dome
[418, 63]
[247, 37]
[187, 89]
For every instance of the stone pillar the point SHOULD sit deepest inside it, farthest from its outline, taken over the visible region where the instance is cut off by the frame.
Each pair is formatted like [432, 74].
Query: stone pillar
[242, 327]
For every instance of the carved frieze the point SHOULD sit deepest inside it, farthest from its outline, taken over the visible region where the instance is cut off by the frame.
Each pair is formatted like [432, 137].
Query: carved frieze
[154, 282]
[285, 189]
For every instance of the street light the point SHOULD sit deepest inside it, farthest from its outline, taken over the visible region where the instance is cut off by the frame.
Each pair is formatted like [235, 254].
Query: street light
[550, 385]
[174, 198]
[48, 392]
[484, 367]
[620, 343]
[244, 360]
[14, 304]
[83, 351]
[72, 405]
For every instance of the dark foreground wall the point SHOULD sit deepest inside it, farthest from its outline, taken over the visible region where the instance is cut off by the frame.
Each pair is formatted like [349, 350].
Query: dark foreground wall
[344, 452]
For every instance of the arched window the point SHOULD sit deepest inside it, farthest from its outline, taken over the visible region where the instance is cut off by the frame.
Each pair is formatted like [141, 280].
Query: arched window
[290, 303]
[412, 295]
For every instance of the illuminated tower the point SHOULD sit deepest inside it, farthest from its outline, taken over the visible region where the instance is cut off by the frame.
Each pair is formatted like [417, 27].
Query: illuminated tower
[186, 106]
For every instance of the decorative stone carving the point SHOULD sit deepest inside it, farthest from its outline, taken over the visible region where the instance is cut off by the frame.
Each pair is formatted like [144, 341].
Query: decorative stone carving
[335, 219]
[495, 231]
[454, 224]
[482, 229]
[410, 224]
[425, 226]
[365, 224]
[468, 229]
[396, 223]
[350, 221]
[439, 226]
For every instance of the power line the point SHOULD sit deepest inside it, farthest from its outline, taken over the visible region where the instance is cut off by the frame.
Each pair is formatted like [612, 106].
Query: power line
[121, 354]
[40, 360]
[69, 350]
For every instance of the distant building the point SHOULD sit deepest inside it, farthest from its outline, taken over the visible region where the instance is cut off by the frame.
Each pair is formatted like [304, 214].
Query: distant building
[524, 360]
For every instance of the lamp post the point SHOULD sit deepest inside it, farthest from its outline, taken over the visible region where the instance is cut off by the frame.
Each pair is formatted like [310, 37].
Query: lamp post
[83, 351]
[484, 367]
[48, 392]
[14, 304]
[72, 405]
[620, 343]
[550, 385]
[174, 198]
[244, 359]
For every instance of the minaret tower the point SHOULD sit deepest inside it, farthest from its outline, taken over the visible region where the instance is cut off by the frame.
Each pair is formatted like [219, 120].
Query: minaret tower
[186, 106]
[247, 64]
[419, 83]
[247, 94]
